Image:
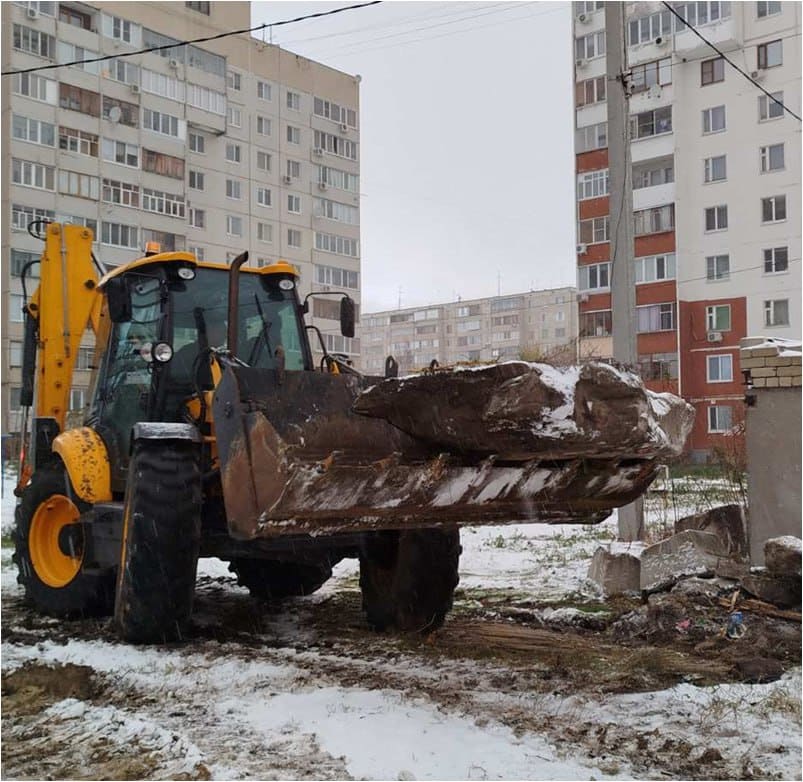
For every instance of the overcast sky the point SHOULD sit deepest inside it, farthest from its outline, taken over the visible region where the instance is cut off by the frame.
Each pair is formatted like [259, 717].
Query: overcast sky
[466, 142]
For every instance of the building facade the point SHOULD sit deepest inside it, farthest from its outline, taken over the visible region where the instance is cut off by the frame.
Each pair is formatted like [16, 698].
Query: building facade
[716, 169]
[524, 325]
[214, 148]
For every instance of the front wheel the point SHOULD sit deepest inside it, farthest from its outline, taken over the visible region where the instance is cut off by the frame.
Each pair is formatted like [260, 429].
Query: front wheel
[50, 549]
[161, 538]
[408, 578]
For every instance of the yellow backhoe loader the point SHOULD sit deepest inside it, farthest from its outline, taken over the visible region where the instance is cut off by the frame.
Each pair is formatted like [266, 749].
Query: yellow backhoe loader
[211, 431]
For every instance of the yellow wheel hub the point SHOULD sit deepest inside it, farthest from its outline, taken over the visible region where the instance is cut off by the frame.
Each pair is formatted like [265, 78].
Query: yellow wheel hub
[52, 565]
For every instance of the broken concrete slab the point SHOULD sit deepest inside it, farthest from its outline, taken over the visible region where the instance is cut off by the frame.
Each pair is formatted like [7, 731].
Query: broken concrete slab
[782, 591]
[704, 587]
[615, 573]
[782, 556]
[728, 522]
[687, 553]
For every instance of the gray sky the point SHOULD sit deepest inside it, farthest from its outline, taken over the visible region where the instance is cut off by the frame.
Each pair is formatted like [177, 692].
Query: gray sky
[466, 142]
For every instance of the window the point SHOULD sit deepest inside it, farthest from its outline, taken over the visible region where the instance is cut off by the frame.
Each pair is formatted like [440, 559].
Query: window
[334, 112]
[716, 218]
[294, 169]
[197, 217]
[169, 242]
[30, 174]
[594, 231]
[341, 180]
[234, 117]
[776, 312]
[658, 366]
[15, 354]
[560, 317]
[591, 137]
[123, 193]
[293, 238]
[123, 71]
[650, 74]
[717, 267]
[776, 260]
[72, 140]
[121, 30]
[715, 169]
[586, 7]
[197, 143]
[466, 311]
[206, 99]
[656, 317]
[596, 276]
[293, 101]
[120, 152]
[336, 145]
[162, 203]
[196, 180]
[85, 357]
[655, 220]
[714, 119]
[720, 418]
[36, 87]
[159, 122]
[293, 135]
[233, 153]
[263, 125]
[233, 189]
[593, 184]
[74, 17]
[718, 317]
[33, 130]
[719, 369]
[773, 209]
[771, 158]
[159, 163]
[77, 99]
[654, 174]
[651, 123]
[503, 305]
[589, 91]
[294, 203]
[200, 7]
[770, 54]
[119, 235]
[340, 245]
[263, 160]
[697, 13]
[768, 8]
[712, 71]
[21, 216]
[647, 28]
[27, 39]
[264, 91]
[198, 251]
[770, 107]
[127, 113]
[234, 81]
[589, 46]
[653, 268]
[19, 258]
[592, 324]
[68, 52]
[337, 344]
[234, 225]
[16, 303]
[265, 232]
[334, 210]
[264, 196]
[80, 185]
[469, 325]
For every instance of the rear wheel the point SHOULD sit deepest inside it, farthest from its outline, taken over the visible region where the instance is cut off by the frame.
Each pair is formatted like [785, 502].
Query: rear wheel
[408, 578]
[50, 550]
[274, 580]
[161, 537]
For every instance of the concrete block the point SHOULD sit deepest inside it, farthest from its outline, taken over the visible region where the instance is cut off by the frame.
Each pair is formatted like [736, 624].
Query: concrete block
[783, 382]
[688, 553]
[764, 372]
[782, 556]
[780, 361]
[615, 573]
[778, 590]
[797, 381]
[772, 382]
[766, 352]
[727, 522]
[760, 382]
[789, 371]
[752, 363]
[747, 343]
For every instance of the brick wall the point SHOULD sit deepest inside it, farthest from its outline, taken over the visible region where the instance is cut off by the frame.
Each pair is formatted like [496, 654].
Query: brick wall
[771, 363]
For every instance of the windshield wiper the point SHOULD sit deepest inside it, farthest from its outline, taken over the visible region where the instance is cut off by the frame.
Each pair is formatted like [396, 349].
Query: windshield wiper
[264, 335]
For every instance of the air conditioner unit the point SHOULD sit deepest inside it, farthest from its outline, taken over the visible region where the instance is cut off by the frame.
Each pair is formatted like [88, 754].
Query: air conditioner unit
[135, 88]
[344, 128]
[287, 179]
[317, 151]
[582, 17]
[654, 92]
[581, 248]
[322, 186]
[714, 336]
[661, 40]
[756, 75]
[582, 297]
[173, 63]
[33, 13]
[579, 64]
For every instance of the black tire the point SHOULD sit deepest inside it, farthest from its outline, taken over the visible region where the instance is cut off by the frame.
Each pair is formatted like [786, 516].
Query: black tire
[55, 582]
[274, 580]
[408, 578]
[161, 538]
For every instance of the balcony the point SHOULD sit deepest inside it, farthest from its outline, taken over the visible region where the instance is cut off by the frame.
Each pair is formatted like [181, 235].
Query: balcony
[724, 34]
[648, 197]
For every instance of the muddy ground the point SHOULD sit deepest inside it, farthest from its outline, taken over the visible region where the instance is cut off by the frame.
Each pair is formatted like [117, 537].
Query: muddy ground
[500, 658]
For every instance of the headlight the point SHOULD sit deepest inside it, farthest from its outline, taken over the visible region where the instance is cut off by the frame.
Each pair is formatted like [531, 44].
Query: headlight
[162, 352]
[186, 272]
[286, 284]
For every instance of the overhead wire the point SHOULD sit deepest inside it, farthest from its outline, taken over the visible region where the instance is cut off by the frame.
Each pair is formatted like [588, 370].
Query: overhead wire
[205, 39]
[730, 62]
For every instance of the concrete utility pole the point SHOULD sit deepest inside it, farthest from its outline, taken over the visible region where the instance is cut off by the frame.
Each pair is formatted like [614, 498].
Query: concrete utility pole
[623, 291]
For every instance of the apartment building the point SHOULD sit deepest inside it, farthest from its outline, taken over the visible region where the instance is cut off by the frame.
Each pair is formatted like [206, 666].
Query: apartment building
[215, 148]
[533, 324]
[716, 193]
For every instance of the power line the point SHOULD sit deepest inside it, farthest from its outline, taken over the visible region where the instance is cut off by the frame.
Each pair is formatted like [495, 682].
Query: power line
[192, 41]
[728, 60]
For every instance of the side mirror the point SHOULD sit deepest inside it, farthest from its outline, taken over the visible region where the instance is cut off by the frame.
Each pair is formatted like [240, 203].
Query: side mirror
[347, 316]
[119, 300]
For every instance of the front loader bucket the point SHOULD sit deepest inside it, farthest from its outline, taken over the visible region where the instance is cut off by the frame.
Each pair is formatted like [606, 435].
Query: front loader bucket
[297, 458]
